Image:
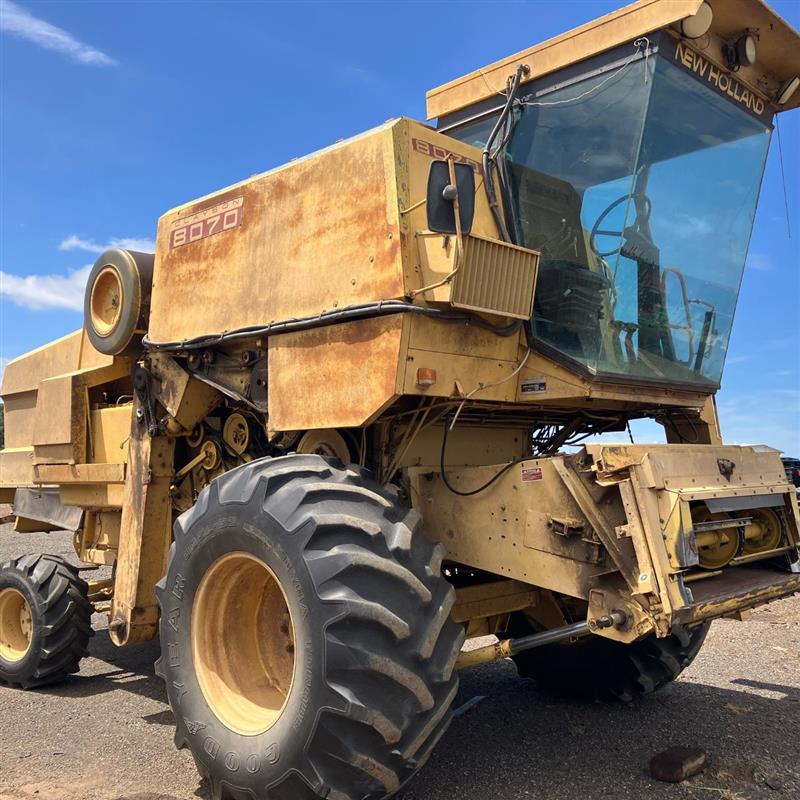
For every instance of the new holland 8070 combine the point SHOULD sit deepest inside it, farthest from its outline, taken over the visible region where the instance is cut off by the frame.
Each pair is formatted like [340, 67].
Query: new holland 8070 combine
[331, 427]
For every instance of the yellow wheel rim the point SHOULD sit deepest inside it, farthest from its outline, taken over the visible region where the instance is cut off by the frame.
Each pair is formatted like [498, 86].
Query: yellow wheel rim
[715, 549]
[243, 643]
[764, 533]
[105, 304]
[327, 442]
[16, 625]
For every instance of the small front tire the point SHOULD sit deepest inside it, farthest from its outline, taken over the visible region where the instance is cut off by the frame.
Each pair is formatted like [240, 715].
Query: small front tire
[45, 621]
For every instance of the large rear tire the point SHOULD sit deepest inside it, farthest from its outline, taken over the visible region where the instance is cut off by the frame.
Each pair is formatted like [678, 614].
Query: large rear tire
[307, 644]
[602, 669]
[45, 621]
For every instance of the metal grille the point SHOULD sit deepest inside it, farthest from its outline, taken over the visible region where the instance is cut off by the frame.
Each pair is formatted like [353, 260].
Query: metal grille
[496, 278]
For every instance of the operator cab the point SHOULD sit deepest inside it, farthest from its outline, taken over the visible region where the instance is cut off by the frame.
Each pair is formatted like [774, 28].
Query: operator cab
[636, 174]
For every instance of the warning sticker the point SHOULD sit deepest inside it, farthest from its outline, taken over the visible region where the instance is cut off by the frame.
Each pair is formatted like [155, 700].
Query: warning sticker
[532, 474]
[533, 385]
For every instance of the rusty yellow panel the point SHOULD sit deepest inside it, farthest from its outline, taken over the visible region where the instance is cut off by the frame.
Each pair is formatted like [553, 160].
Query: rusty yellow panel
[44, 394]
[457, 375]
[468, 446]
[92, 495]
[61, 419]
[416, 147]
[110, 429]
[693, 468]
[20, 412]
[461, 339]
[16, 466]
[492, 530]
[59, 432]
[68, 354]
[79, 473]
[338, 376]
[318, 233]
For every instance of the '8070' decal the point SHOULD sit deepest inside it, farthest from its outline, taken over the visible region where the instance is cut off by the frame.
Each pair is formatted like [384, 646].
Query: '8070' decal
[202, 224]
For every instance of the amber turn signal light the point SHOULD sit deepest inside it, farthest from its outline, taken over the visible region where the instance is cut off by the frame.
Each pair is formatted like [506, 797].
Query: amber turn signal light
[426, 376]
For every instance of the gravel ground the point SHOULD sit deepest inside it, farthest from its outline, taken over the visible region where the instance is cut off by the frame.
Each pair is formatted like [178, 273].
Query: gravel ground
[106, 733]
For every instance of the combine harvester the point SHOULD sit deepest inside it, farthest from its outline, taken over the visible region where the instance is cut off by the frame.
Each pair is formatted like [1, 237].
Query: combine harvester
[323, 435]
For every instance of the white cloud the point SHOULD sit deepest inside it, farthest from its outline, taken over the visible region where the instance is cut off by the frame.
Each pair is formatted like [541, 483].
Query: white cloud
[356, 74]
[737, 360]
[767, 417]
[39, 292]
[74, 242]
[63, 291]
[18, 22]
[760, 262]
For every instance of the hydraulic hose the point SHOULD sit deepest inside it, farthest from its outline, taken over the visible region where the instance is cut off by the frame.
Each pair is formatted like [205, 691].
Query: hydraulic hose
[489, 157]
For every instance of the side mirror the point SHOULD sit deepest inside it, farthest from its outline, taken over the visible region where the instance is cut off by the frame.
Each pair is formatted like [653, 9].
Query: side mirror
[442, 195]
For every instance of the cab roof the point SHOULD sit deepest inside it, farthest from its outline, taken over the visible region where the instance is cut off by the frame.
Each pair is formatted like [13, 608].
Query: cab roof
[778, 49]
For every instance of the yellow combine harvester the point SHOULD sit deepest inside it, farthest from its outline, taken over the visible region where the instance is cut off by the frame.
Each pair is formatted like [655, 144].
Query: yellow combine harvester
[323, 434]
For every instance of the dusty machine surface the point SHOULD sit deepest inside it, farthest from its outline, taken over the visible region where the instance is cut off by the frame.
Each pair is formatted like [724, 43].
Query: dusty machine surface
[333, 426]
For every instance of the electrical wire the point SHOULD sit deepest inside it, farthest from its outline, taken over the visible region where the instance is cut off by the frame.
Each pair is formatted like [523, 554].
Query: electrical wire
[359, 311]
[545, 441]
[488, 159]
[783, 178]
[639, 44]
[481, 386]
[486, 485]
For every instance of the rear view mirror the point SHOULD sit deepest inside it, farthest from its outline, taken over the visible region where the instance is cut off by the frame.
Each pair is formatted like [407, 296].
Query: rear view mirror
[440, 200]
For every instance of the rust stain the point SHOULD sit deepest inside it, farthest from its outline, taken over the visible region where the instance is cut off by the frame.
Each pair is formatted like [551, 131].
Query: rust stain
[345, 374]
[320, 234]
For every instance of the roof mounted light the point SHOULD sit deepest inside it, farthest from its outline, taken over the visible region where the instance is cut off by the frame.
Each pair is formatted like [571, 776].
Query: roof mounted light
[699, 23]
[786, 91]
[742, 53]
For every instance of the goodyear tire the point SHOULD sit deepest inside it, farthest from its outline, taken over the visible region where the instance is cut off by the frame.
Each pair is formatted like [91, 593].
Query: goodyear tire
[117, 300]
[602, 669]
[307, 644]
[45, 621]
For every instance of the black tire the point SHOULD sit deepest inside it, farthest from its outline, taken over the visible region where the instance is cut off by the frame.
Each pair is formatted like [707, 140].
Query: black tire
[375, 646]
[134, 274]
[601, 669]
[60, 615]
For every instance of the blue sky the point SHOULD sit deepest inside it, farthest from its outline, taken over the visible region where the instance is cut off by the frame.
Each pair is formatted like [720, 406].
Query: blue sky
[114, 112]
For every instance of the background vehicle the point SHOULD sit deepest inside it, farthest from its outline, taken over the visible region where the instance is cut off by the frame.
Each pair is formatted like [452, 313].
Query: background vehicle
[404, 331]
[792, 467]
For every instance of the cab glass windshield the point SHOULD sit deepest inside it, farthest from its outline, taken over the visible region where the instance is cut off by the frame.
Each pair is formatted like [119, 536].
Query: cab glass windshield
[639, 188]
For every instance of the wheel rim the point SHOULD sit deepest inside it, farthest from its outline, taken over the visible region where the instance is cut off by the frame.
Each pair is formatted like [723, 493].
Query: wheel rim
[106, 301]
[243, 643]
[16, 625]
[329, 443]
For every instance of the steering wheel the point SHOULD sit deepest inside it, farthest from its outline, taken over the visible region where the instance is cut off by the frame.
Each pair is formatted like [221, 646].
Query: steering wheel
[640, 218]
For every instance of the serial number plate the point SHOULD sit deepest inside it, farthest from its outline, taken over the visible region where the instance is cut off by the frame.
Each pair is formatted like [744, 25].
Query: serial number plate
[209, 222]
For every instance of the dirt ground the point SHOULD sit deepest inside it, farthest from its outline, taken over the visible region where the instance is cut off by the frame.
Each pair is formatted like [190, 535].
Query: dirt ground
[106, 733]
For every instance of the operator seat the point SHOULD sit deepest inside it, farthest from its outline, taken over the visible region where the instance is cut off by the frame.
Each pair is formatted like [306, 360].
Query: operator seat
[570, 293]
